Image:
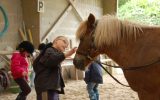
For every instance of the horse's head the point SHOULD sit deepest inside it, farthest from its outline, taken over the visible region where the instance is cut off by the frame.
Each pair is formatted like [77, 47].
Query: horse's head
[86, 48]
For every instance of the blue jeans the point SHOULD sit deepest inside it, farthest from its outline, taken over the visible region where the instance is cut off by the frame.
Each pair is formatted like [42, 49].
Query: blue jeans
[92, 89]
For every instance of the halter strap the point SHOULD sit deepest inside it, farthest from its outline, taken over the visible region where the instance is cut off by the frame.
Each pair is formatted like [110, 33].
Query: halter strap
[87, 54]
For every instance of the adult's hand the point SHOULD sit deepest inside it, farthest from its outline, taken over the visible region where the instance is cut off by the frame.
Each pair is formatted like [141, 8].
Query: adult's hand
[70, 52]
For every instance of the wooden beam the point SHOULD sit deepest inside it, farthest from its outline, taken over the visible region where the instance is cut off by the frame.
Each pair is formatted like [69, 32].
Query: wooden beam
[6, 52]
[73, 5]
[57, 22]
[60, 19]
[7, 61]
[110, 6]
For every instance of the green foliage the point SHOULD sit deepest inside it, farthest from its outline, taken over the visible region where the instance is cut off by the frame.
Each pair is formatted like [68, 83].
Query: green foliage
[122, 2]
[147, 11]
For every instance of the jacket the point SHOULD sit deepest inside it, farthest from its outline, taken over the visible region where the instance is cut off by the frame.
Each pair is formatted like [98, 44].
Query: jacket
[19, 64]
[48, 71]
[94, 74]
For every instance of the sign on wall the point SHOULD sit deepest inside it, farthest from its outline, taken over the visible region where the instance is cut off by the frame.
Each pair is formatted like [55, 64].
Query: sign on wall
[40, 6]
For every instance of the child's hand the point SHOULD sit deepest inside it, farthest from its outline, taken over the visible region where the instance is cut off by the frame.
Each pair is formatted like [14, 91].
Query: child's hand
[24, 73]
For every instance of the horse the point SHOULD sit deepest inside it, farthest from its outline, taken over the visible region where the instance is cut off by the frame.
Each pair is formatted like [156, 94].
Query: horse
[130, 44]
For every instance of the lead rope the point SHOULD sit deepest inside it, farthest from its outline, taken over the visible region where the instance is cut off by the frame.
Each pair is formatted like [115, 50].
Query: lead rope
[107, 71]
[135, 67]
[111, 74]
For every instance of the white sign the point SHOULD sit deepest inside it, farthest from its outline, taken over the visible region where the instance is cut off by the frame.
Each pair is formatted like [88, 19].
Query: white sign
[40, 6]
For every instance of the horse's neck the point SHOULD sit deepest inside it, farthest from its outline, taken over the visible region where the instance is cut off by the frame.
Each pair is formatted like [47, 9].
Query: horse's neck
[132, 53]
[119, 54]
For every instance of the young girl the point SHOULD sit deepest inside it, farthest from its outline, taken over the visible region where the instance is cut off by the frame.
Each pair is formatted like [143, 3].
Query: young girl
[19, 68]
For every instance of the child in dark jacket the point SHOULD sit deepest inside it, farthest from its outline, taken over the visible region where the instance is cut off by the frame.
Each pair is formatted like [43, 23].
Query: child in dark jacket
[47, 66]
[19, 68]
[93, 77]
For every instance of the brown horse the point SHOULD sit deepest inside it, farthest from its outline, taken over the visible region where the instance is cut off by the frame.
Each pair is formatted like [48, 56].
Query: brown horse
[129, 45]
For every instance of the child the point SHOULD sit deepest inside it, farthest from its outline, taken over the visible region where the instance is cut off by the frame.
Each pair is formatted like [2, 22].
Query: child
[48, 80]
[19, 68]
[93, 77]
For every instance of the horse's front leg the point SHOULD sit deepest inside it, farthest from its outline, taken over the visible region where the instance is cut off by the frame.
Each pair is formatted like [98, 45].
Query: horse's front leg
[143, 95]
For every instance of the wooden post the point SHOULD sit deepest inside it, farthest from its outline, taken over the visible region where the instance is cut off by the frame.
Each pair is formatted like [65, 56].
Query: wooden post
[30, 35]
[24, 30]
[76, 74]
[22, 34]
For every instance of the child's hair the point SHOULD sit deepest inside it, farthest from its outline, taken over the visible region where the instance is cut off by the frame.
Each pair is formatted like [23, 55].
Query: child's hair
[26, 46]
[41, 46]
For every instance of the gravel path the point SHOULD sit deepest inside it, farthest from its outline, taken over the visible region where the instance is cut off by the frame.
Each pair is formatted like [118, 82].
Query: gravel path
[76, 90]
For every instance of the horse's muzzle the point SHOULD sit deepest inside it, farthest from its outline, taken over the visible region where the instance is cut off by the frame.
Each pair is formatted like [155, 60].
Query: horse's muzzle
[79, 63]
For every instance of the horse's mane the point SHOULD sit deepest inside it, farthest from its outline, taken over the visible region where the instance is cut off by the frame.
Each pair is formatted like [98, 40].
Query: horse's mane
[110, 30]
[81, 30]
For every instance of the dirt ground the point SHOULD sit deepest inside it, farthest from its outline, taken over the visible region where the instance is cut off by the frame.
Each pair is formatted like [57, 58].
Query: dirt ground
[76, 90]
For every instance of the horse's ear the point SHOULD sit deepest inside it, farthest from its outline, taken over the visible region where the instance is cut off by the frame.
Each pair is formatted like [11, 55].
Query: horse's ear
[91, 19]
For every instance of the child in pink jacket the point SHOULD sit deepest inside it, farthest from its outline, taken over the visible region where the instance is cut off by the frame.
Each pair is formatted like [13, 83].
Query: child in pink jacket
[19, 68]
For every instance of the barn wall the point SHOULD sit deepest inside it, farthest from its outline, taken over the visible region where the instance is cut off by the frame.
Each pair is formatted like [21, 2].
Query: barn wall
[67, 27]
[90, 6]
[13, 10]
[52, 11]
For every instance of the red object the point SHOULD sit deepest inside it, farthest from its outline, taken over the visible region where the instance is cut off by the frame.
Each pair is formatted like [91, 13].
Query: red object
[19, 64]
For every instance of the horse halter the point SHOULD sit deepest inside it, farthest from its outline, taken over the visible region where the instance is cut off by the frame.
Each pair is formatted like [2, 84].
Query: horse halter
[92, 45]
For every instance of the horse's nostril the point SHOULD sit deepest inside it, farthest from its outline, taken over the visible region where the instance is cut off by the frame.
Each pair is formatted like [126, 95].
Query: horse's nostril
[79, 64]
[76, 62]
